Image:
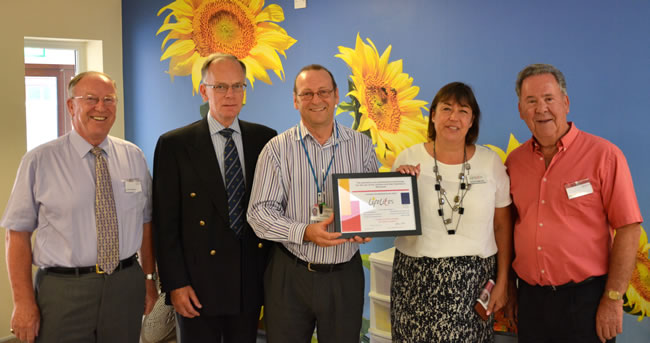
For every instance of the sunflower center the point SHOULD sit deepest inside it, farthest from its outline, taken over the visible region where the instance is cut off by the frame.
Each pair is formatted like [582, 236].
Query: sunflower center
[383, 107]
[641, 276]
[223, 26]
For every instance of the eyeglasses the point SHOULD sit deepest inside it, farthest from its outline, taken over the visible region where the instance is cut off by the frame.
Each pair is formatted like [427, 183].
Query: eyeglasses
[224, 87]
[93, 100]
[323, 94]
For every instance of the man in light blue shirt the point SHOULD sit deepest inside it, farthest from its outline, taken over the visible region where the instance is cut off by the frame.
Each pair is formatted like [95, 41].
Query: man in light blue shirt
[54, 198]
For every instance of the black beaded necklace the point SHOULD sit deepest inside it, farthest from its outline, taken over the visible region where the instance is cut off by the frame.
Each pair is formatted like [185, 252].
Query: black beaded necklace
[463, 188]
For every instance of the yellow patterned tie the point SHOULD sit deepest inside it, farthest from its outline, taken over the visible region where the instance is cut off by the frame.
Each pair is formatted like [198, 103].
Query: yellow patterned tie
[108, 246]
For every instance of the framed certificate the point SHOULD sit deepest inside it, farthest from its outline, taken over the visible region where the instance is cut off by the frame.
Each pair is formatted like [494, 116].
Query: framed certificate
[376, 204]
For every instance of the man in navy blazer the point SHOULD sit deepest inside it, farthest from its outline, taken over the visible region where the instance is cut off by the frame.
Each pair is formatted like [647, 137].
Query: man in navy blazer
[212, 273]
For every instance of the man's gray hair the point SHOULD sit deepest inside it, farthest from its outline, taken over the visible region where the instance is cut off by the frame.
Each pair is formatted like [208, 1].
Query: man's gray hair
[538, 69]
[75, 80]
[218, 57]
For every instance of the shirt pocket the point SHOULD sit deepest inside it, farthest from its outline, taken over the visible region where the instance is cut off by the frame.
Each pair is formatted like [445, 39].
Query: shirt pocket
[130, 198]
[583, 205]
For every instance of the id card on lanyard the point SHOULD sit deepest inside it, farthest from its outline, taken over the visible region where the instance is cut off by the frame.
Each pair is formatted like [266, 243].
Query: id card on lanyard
[320, 210]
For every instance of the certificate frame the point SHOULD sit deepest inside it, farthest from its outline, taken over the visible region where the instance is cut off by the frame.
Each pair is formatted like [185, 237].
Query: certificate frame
[358, 212]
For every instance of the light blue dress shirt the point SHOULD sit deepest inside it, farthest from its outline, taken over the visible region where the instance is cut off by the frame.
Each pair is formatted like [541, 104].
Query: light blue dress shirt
[219, 143]
[54, 197]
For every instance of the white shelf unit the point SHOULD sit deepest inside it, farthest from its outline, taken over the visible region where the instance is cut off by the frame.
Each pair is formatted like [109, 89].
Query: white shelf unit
[381, 268]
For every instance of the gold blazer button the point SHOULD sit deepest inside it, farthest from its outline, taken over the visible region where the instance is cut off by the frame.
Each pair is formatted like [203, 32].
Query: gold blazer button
[260, 245]
[213, 252]
[192, 195]
[202, 223]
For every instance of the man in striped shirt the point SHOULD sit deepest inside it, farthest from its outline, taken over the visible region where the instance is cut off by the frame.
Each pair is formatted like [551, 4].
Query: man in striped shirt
[314, 278]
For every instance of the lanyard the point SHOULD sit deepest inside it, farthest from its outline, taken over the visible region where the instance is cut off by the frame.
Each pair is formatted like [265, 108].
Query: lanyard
[311, 166]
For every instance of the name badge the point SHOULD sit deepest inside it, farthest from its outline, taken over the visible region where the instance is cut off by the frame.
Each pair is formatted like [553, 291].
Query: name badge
[132, 186]
[578, 188]
[320, 213]
[477, 179]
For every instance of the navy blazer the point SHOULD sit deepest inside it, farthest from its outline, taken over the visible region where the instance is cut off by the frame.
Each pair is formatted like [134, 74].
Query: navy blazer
[194, 243]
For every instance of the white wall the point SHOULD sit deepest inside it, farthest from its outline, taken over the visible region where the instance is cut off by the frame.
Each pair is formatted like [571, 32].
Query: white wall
[71, 19]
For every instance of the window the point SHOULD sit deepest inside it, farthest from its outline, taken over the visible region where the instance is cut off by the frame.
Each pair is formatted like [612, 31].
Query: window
[45, 99]
[50, 63]
[48, 69]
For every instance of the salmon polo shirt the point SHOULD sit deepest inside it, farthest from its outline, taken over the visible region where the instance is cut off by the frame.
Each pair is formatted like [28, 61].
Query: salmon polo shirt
[567, 212]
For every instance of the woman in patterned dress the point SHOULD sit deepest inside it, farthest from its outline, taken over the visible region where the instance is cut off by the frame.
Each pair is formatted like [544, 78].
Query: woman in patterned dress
[466, 229]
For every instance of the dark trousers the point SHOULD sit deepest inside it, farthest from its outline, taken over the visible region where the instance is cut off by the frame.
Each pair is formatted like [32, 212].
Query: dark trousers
[98, 308]
[565, 315]
[297, 300]
[219, 329]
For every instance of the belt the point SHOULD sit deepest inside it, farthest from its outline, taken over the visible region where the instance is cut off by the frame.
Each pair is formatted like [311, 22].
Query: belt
[313, 267]
[570, 284]
[92, 269]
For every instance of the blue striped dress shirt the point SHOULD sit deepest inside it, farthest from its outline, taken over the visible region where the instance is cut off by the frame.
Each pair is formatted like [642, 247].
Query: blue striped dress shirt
[284, 189]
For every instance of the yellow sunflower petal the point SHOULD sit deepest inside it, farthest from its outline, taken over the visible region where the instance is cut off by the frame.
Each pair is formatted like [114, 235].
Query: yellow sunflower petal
[275, 40]
[365, 123]
[183, 8]
[254, 5]
[182, 65]
[167, 18]
[499, 152]
[183, 26]
[346, 54]
[385, 168]
[178, 48]
[196, 73]
[171, 35]
[267, 57]
[254, 70]
[392, 71]
[267, 25]
[401, 79]
[410, 93]
[383, 60]
[513, 143]
[387, 161]
[272, 12]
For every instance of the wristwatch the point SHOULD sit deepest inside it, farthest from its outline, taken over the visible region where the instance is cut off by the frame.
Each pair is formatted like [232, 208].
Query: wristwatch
[614, 295]
[152, 276]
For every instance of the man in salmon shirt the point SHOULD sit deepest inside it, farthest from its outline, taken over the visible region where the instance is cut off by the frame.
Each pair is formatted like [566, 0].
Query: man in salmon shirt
[572, 191]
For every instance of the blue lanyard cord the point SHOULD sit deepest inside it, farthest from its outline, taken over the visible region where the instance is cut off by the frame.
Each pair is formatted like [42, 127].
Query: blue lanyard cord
[311, 166]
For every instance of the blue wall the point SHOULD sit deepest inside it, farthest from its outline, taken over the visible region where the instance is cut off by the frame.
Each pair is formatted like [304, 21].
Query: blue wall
[603, 48]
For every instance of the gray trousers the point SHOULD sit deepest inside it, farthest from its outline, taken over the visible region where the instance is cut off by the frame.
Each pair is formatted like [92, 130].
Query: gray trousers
[98, 308]
[297, 300]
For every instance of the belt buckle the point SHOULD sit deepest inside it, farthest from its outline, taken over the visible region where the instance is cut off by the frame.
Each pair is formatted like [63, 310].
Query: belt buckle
[98, 270]
[309, 267]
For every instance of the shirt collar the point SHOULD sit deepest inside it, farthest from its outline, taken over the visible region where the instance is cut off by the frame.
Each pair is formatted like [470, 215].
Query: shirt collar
[216, 126]
[82, 147]
[564, 142]
[343, 135]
